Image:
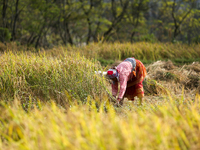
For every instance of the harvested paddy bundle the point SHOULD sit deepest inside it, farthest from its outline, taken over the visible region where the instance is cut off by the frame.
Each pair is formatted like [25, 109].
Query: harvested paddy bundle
[166, 73]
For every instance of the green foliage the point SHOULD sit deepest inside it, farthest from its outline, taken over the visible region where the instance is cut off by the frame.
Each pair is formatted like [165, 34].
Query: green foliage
[5, 35]
[146, 38]
[196, 39]
[105, 62]
[48, 23]
[185, 60]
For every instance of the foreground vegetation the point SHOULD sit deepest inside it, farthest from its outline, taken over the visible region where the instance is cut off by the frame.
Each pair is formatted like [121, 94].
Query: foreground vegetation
[170, 125]
[53, 99]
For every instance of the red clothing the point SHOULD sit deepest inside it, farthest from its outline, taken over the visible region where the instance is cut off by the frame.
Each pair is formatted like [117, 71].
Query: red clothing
[127, 77]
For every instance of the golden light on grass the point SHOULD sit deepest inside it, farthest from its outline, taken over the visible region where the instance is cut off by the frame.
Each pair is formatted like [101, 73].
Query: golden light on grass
[54, 100]
[166, 126]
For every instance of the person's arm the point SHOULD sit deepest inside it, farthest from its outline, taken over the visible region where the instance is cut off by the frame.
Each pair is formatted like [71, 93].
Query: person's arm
[123, 78]
[136, 82]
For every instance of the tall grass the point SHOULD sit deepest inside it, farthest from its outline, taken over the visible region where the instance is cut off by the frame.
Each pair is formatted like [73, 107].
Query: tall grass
[40, 75]
[141, 50]
[170, 125]
[42, 82]
[107, 53]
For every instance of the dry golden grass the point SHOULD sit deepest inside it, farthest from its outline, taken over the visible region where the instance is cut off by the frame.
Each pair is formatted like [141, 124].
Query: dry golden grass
[53, 100]
[118, 51]
[172, 124]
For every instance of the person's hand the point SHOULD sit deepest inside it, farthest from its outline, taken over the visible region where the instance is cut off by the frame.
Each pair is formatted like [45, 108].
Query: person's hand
[119, 102]
[113, 98]
[129, 84]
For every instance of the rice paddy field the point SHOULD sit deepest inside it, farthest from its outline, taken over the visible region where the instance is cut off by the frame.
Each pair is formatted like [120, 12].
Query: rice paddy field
[52, 99]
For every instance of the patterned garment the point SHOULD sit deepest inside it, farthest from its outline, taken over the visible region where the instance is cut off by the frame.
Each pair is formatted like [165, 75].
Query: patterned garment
[127, 78]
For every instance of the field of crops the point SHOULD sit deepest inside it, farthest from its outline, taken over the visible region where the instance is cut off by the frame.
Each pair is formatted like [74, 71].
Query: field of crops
[52, 99]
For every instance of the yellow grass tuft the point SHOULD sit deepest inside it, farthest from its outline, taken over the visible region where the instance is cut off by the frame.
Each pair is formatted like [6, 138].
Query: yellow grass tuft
[166, 126]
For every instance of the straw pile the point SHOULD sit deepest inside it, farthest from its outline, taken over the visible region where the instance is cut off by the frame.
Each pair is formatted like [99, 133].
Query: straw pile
[163, 75]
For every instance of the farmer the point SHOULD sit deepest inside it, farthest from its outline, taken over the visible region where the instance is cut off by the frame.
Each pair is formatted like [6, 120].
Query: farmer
[129, 74]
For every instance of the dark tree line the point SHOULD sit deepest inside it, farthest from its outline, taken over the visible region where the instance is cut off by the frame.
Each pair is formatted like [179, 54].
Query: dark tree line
[72, 22]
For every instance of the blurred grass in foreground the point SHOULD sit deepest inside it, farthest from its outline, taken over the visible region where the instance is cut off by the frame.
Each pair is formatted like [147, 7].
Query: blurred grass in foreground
[174, 124]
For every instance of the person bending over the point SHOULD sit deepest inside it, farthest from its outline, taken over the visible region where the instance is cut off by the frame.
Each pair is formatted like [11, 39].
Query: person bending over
[129, 74]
